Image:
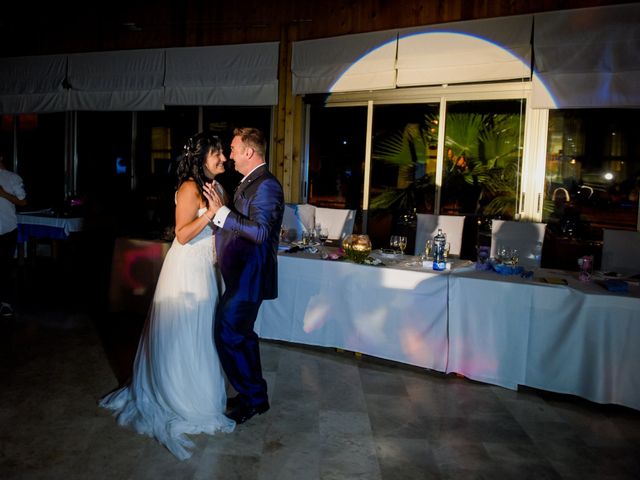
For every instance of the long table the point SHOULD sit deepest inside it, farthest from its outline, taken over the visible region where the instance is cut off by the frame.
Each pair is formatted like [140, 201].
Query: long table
[503, 330]
[389, 313]
[578, 339]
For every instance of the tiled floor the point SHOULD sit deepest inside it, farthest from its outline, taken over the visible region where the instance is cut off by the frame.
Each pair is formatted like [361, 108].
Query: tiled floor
[333, 416]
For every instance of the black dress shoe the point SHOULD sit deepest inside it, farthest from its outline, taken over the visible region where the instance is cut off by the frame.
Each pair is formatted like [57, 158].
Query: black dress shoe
[243, 412]
[235, 402]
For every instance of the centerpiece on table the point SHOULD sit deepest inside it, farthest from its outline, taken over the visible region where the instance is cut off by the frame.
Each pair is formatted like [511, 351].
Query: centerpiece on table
[357, 248]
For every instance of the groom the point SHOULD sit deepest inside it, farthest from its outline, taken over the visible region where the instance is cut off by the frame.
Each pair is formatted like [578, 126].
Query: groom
[247, 246]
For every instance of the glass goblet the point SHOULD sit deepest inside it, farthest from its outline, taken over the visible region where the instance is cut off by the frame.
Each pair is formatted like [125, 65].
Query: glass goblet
[514, 256]
[323, 236]
[402, 243]
[394, 242]
[428, 247]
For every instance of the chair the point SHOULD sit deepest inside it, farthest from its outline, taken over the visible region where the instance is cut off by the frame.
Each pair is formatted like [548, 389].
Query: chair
[299, 218]
[307, 215]
[291, 221]
[526, 237]
[620, 251]
[338, 221]
[427, 226]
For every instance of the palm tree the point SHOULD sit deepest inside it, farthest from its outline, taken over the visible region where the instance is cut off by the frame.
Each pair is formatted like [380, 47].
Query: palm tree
[408, 150]
[483, 151]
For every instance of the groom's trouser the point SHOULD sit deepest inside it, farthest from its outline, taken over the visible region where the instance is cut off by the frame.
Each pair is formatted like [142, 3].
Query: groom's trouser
[238, 347]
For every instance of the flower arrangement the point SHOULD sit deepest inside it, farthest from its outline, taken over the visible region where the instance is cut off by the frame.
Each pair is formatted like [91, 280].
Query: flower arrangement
[357, 248]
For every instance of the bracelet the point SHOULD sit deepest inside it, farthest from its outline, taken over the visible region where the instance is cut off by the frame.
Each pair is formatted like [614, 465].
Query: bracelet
[210, 219]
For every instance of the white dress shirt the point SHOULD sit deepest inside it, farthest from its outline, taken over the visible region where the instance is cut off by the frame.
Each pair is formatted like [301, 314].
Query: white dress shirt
[223, 212]
[12, 183]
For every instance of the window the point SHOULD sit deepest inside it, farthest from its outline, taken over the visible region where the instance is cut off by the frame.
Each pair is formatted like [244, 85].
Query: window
[104, 169]
[454, 150]
[337, 156]
[41, 158]
[592, 178]
[483, 156]
[404, 157]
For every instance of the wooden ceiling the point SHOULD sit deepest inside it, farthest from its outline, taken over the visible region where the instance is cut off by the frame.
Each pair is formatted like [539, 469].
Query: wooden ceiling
[57, 27]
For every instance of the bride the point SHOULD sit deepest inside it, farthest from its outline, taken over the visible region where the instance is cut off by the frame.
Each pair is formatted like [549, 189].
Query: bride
[177, 386]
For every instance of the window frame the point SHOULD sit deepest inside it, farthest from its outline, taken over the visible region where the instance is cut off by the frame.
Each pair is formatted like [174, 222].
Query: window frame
[530, 188]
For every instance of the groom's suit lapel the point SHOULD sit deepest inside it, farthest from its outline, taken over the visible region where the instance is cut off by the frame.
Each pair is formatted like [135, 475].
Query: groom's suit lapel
[239, 200]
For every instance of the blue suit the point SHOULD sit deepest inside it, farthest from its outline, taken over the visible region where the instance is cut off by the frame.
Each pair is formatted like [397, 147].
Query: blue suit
[247, 247]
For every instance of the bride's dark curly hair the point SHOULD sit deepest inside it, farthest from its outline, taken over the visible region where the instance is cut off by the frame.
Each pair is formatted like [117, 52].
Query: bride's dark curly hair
[191, 164]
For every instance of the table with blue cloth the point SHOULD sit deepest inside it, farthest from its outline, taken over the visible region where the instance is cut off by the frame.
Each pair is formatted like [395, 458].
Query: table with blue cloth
[44, 225]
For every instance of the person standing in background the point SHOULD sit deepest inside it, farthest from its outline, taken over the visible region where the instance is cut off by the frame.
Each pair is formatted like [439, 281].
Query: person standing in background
[11, 194]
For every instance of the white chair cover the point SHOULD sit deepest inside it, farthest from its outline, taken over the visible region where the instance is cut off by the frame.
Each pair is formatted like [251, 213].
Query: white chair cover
[428, 224]
[338, 221]
[291, 221]
[621, 251]
[526, 237]
[307, 215]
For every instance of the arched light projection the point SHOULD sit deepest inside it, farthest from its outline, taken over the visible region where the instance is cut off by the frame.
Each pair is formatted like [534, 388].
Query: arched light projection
[441, 57]
[375, 70]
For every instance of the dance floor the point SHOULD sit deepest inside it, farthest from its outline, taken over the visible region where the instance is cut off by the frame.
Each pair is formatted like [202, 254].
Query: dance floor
[333, 415]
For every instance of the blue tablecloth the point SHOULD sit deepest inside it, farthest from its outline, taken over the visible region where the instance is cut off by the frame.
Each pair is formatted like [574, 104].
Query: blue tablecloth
[46, 226]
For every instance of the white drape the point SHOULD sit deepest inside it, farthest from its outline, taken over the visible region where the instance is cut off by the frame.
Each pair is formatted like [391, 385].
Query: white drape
[364, 61]
[119, 80]
[134, 80]
[33, 84]
[588, 57]
[462, 52]
[244, 74]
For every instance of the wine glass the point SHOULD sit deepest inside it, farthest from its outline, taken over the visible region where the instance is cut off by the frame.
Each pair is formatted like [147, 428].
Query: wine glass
[402, 243]
[428, 248]
[394, 242]
[447, 247]
[323, 236]
[514, 256]
[502, 254]
[317, 229]
[284, 234]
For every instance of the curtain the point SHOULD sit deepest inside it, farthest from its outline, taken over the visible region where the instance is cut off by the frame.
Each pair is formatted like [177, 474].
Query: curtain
[125, 80]
[463, 52]
[244, 74]
[587, 58]
[33, 84]
[348, 63]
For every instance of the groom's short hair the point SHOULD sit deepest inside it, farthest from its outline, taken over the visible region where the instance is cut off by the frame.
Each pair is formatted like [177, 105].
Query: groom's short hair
[254, 138]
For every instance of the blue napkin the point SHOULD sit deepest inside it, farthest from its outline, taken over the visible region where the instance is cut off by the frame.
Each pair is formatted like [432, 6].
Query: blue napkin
[503, 269]
[616, 285]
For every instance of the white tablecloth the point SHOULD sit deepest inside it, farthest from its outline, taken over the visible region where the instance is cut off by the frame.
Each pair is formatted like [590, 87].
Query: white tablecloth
[67, 225]
[504, 330]
[577, 339]
[389, 313]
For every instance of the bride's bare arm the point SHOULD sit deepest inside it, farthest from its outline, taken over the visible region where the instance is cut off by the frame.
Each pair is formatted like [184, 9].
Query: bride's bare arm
[188, 202]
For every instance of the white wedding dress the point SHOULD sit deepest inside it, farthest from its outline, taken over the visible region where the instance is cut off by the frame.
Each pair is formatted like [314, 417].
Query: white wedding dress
[177, 386]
